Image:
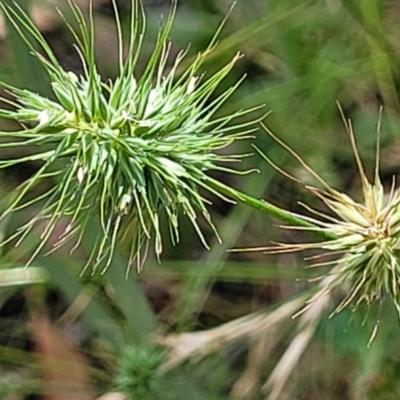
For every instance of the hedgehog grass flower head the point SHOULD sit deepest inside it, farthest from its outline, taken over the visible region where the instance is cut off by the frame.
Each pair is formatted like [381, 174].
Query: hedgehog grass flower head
[364, 238]
[121, 151]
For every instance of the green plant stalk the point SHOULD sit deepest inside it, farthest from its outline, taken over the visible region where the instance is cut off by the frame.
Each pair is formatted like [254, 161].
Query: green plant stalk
[266, 207]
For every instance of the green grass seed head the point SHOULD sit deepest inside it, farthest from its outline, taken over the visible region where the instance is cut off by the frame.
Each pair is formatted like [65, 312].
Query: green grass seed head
[121, 151]
[365, 238]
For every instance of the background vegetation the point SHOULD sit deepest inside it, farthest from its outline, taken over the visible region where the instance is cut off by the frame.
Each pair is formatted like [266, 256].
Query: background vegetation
[212, 312]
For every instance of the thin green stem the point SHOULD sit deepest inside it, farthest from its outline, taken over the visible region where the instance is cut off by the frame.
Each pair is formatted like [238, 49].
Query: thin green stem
[266, 207]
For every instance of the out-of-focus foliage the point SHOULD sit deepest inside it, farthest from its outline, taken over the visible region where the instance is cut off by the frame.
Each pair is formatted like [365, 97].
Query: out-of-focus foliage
[218, 309]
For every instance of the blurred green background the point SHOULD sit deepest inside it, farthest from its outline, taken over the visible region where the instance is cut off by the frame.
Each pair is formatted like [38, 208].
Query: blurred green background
[63, 336]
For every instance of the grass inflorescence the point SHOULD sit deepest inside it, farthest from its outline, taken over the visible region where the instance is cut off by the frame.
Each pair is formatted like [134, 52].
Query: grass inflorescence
[362, 251]
[121, 151]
